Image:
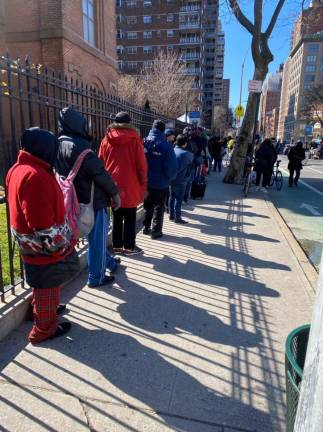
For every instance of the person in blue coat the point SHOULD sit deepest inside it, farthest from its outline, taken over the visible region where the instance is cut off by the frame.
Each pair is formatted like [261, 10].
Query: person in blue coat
[177, 190]
[162, 169]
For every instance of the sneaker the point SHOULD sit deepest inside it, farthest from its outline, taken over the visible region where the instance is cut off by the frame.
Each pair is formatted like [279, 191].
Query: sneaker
[181, 221]
[147, 231]
[117, 251]
[62, 328]
[156, 235]
[171, 218]
[107, 280]
[135, 251]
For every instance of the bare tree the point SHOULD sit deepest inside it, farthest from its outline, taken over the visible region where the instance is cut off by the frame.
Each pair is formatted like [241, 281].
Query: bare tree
[262, 56]
[164, 84]
[312, 106]
[221, 120]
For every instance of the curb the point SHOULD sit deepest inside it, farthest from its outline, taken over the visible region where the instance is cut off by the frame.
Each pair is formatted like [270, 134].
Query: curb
[308, 270]
[13, 312]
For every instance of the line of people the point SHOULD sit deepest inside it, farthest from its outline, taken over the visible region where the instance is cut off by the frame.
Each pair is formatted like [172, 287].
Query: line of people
[125, 173]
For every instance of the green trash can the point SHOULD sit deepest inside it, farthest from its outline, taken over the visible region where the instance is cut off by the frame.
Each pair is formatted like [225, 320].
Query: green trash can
[296, 346]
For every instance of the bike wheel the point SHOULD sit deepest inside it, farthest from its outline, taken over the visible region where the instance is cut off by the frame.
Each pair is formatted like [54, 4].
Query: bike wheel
[246, 186]
[272, 179]
[279, 180]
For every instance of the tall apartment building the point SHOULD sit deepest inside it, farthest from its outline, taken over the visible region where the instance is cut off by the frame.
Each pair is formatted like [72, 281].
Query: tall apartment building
[270, 103]
[76, 37]
[188, 27]
[303, 70]
[226, 93]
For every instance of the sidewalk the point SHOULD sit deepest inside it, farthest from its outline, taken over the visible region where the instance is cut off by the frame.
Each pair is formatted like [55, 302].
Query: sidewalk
[191, 338]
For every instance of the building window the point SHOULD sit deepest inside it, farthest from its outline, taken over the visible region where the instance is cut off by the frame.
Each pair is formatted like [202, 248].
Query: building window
[131, 3]
[147, 3]
[132, 35]
[119, 3]
[120, 49]
[310, 68]
[88, 22]
[148, 63]
[308, 86]
[132, 65]
[132, 50]
[147, 19]
[309, 78]
[131, 20]
[158, 33]
[119, 34]
[170, 33]
[148, 34]
[170, 48]
[321, 68]
[119, 19]
[170, 17]
[311, 59]
[148, 49]
[313, 48]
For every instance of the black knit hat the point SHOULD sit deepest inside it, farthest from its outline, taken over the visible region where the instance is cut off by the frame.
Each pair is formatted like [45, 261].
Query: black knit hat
[160, 125]
[122, 117]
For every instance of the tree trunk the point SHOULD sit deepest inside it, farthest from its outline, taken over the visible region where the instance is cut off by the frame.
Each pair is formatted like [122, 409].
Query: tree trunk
[236, 168]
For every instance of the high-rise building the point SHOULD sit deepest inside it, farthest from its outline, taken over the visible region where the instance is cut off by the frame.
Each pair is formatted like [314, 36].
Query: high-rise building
[270, 101]
[190, 28]
[283, 109]
[76, 38]
[302, 72]
[226, 93]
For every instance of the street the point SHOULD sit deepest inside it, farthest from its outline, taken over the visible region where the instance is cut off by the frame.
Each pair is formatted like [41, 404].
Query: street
[302, 207]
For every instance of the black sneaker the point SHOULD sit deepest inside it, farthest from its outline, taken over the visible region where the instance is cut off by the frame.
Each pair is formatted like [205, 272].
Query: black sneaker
[171, 218]
[181, 221]
[62, 328]
[146, 231]
[135, 251]
[156, 235]
[107, 280]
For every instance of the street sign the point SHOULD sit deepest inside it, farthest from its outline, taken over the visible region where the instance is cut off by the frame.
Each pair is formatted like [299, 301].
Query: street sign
[308, 130]
[255, 86]
[239, 111]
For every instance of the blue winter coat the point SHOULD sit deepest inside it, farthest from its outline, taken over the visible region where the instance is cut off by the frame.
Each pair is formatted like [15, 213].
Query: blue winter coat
[162, 165]
[184, 166]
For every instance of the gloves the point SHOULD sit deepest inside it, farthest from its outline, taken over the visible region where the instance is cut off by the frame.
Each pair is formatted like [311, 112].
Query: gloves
[116, 202]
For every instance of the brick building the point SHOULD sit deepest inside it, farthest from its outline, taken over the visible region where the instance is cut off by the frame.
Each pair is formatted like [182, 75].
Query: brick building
[270, 102]
[188, 27]
[74, 37]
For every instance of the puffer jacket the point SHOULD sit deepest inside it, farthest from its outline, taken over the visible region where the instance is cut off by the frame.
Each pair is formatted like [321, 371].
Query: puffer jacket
[73, 140]
[162, 165]
[122, 153]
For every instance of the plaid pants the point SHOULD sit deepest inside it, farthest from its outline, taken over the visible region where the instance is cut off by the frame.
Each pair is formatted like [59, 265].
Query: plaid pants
[44, 302]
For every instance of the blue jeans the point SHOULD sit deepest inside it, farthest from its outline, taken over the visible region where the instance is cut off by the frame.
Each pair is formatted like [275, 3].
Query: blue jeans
[175, 202]
[99, 258]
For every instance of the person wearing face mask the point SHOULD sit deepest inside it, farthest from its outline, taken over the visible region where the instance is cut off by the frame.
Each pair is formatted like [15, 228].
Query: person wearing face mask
[37, 220]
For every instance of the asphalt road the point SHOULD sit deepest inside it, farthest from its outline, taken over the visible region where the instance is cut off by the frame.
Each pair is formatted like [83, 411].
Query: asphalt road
[302, 207]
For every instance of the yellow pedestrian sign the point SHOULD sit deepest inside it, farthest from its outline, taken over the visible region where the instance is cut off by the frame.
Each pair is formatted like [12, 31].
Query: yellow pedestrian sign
[239, 111]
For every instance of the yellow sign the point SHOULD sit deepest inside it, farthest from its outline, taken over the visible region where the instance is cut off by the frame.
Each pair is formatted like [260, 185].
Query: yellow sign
[239, 111]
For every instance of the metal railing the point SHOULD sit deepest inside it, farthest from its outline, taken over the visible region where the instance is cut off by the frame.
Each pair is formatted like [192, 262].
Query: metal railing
[32, 95]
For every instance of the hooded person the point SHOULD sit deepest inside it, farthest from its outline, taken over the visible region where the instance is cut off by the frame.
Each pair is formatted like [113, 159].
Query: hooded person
[295, 156]
[122, 153]
[73, 140]
[37, 220]
[162, 167]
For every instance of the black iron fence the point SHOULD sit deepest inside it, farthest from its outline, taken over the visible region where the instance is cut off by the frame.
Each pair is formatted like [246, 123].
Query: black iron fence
[32, 95]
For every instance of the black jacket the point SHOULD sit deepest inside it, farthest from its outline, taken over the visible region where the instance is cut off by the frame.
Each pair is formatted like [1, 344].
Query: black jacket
[265, 155]
[73, 140]
[215, 148]
[295, 156]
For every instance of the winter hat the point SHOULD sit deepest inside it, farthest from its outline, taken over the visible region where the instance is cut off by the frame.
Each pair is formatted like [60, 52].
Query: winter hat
[181, 140]
[169, 132]
[40, 143]
[122, 117]
[160, 125]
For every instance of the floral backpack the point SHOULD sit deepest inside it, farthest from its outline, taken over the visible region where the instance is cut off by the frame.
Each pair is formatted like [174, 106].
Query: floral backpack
[80, 217]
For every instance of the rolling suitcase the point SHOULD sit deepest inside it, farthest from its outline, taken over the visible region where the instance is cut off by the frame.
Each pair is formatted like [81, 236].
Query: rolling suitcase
[198, 186]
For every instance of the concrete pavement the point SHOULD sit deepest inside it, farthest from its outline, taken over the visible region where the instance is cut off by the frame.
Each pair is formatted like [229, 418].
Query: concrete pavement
[190, 338]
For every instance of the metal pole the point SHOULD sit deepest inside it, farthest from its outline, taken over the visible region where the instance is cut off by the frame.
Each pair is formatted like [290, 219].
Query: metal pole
[242, 68]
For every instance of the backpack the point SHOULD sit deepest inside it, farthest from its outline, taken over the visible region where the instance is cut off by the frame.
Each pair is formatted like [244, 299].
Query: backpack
[80, 217]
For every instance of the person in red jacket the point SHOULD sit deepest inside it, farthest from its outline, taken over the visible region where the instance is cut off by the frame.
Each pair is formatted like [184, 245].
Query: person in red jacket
[37, 220]
[122, 153]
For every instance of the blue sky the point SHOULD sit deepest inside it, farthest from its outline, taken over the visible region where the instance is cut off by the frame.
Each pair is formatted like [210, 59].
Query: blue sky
[238, 40]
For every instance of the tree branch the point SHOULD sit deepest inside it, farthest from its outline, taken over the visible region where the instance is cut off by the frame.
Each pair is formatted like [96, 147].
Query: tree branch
[243, 20]
[273, 20]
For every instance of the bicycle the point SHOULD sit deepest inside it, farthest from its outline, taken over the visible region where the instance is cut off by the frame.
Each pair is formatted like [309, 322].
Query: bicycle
[277, 177]
[248, 177]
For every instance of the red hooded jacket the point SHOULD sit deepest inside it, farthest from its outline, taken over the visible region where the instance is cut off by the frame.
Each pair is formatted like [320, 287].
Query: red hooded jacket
[37, 213]
[122, 153]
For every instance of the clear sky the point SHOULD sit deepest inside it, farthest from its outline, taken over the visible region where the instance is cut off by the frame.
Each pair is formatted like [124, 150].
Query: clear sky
[238, 40]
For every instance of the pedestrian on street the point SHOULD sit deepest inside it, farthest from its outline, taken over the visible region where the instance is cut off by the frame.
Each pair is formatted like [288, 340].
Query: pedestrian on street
[216, 151]
[170, 136]
[122, 152]
[265, 158]
[73, 140]
[295, 156]
[46, 241]
[162, 168]
[177, 190]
